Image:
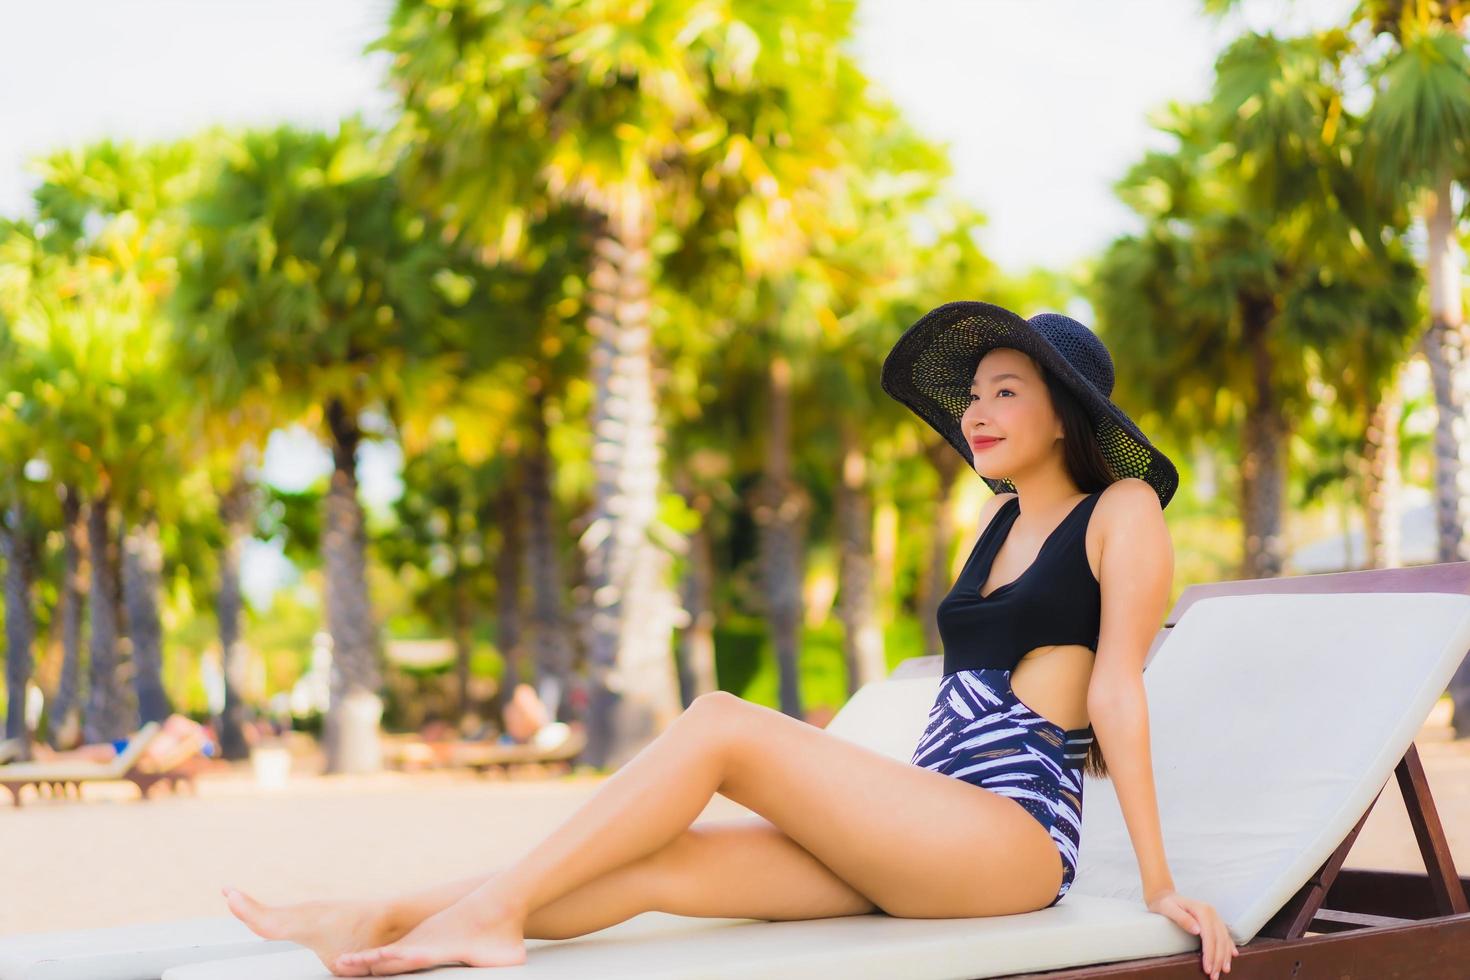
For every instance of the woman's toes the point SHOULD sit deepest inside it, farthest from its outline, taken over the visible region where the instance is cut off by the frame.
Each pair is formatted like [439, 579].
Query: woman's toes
[343, 967]
[255, 915]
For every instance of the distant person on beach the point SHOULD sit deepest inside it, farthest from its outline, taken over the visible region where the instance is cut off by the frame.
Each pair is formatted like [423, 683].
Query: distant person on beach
[525, 715]
[176, 729]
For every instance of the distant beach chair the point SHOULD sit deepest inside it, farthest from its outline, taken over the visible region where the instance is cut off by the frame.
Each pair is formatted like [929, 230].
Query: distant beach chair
[175, 763]
[1277, 717]
[552, 743]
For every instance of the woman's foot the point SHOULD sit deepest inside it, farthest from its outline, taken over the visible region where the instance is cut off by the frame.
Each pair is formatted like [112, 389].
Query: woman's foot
[478, 930]
[327, 928]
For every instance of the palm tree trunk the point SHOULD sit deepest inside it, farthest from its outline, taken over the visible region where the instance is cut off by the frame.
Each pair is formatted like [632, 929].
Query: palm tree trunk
[934, 580]
[351, 738]
[695, 653]
[633, 689]
[20, 624]
[142, 568]
[862, 636]
[1263, 466]
[234, 515]
[72, 602]
[1382, 478]
[550, 644]
[461, 627]
[460, 605]
[508, 563]
[779, 511]
[1446, 344]
[886, 523]
[110, 709]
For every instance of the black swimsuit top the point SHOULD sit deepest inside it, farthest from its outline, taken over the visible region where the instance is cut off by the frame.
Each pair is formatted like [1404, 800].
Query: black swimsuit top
[1056, 600]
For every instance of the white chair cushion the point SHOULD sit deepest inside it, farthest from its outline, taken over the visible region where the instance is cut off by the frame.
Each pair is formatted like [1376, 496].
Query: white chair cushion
[658, 946]
[1274, 721]
[138, 952]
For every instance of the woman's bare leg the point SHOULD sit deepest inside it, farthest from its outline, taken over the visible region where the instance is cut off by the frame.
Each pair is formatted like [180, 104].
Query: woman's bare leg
[738, 868]
[638, 810]
[831, 796]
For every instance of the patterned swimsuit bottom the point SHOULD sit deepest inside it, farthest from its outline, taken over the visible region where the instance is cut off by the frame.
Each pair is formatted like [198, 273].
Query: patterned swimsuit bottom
[980, 732]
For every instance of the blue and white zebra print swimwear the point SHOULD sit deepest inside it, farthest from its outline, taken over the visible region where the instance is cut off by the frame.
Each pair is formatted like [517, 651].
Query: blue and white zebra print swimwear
[980, 732]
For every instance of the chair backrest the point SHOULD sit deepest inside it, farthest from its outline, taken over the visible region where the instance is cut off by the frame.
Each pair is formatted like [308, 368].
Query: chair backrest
[136, 744]
[1274, 721]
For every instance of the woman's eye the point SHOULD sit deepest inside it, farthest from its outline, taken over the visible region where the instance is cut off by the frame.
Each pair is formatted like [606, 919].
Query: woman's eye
[1003, 391]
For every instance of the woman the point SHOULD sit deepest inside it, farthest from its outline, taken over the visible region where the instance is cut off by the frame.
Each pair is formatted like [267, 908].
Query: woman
[177, 729]
[992, 797]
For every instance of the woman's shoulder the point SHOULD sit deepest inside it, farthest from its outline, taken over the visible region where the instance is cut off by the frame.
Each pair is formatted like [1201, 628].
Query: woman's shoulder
[1129, 504]
[1129, 494]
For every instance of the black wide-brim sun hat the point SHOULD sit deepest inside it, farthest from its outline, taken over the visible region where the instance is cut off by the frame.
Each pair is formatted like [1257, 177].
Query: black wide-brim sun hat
[932, 368]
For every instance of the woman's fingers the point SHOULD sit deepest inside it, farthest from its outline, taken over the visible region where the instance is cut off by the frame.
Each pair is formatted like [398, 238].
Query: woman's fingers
[1223, 946]
[1210, 940]
[1217, 948]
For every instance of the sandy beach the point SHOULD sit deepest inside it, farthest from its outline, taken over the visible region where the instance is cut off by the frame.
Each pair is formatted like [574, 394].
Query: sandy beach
[111, 859]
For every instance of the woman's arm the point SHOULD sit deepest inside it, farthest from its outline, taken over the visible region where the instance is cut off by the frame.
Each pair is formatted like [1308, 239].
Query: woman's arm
[1137, 569]
[1119, 715]
[1137, 575]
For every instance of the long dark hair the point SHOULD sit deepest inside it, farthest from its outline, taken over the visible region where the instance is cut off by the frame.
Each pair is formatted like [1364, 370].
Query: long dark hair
[1089, 469]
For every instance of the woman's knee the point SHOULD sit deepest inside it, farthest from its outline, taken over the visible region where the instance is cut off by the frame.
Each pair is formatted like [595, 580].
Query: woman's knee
[716, 718]
[716, 701]
[714, 710]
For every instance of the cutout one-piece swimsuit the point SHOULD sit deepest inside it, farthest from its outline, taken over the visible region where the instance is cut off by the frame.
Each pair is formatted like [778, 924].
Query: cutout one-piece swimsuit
[978, 730]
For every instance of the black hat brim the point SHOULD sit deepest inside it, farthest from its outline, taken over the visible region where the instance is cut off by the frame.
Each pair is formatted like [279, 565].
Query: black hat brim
[932, 367]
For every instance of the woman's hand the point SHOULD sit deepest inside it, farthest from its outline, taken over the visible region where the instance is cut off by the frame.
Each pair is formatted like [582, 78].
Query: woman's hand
[1200, 918]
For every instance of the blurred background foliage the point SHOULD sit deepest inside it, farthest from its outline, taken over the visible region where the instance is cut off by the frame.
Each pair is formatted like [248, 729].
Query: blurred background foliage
[614, 289]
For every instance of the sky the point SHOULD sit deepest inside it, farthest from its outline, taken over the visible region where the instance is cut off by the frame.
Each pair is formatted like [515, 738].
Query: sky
[1042, 103]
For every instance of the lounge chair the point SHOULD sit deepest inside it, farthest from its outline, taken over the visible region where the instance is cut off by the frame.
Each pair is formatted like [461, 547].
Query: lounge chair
[554, 743]
[177, 763]
[1279, 709]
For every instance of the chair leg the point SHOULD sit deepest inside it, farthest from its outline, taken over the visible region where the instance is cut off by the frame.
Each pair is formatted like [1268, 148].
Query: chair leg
[1449, 894]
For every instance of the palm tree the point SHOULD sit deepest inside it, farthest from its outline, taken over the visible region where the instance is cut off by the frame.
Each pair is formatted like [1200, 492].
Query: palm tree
[316, 286]
[1417, 132]
[71, 601]
[117, 205]
[630, 116]
[1264, 262]
[18, 546]
[99, 370]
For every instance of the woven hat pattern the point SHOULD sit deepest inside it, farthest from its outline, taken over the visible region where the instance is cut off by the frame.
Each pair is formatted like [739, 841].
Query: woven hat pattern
[931, 368]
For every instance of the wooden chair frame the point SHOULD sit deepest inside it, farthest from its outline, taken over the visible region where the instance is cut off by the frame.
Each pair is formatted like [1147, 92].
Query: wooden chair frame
[1370, 923]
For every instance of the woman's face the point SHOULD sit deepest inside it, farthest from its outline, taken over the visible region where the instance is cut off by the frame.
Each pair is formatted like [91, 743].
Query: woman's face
[1009, 402]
